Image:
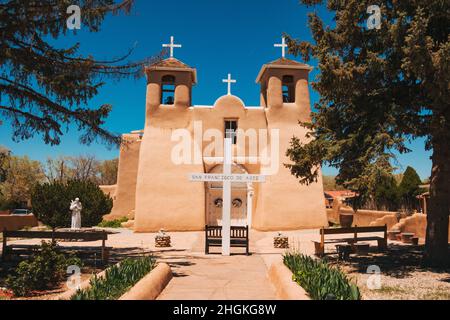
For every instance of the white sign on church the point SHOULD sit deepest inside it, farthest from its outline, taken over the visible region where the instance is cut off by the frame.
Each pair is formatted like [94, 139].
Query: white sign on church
[208, 177]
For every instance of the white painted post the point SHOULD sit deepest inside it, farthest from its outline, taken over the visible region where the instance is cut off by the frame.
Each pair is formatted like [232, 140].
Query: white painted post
[226, 209]
[250, 193]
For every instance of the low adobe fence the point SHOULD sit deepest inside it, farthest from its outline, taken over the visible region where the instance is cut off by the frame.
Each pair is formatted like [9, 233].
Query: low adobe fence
[416, 223]
[16, 222]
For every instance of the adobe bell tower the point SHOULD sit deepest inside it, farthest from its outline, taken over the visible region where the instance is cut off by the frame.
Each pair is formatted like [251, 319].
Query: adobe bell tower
[285, 99]
[169, 83]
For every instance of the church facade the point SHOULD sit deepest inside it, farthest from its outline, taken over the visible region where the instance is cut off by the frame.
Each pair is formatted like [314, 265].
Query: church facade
[179, 139]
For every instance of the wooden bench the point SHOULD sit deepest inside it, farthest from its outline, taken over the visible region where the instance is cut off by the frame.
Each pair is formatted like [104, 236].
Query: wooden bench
[56, 235]
[320, 245]
[238, 237]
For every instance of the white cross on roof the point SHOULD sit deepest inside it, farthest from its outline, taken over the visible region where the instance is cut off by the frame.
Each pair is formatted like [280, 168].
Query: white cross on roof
[229, 81]
[171, 45]
[283, 46]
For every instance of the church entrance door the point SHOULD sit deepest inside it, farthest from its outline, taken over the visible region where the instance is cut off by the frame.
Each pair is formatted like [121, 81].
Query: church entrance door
[214, 201]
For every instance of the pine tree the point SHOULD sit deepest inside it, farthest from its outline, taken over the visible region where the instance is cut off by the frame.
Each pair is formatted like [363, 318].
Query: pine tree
[43, 88]
[410, 188]
[387, 194]
[378, 89]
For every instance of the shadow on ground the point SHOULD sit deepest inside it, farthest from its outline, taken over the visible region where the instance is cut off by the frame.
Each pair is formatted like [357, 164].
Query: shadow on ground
[398, 261]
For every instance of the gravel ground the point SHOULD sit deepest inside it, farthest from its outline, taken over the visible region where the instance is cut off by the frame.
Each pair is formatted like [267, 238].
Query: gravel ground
[402, 275]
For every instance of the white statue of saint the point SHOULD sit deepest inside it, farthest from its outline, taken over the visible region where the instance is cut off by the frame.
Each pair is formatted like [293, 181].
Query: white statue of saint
[76, 207]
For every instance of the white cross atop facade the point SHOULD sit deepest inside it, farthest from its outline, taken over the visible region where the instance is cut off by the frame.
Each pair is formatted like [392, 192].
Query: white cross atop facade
[229, 81]
[283, 46]
[171, 45]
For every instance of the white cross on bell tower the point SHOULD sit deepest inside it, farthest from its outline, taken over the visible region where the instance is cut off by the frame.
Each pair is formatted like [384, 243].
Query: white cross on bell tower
[283, 46]
[171, 45]
[229, 81]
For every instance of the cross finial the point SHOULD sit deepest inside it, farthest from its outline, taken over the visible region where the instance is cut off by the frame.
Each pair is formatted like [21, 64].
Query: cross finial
[283, 46]
[229, 81]
[171, 45]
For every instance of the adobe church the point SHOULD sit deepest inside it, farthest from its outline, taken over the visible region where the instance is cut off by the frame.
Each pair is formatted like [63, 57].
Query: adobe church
[153, 185]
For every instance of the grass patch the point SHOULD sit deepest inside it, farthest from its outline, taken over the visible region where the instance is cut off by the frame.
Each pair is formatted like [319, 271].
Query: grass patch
[439, 294]
[391, 290]
[118, 280]
[117, 223]
[321, 281]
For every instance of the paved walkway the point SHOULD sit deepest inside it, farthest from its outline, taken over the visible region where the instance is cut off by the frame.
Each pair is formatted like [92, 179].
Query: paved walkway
[215, 277]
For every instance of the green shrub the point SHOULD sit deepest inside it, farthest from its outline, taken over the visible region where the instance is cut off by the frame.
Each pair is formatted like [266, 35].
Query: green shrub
[6, 204]
[321, 281]
[118, 280]
[113, 223]
[51, 203]
[45, 270]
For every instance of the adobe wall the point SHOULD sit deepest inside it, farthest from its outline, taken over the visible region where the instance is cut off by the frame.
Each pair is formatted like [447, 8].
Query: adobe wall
[389, 220]
[363, 217]
[125, 192]
[165, 198]
[17, 222]
[109, 190]
[417, 224]
[366, 217]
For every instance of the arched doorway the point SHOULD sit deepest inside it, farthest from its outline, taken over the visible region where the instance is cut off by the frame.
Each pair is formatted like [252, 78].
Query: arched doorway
[239, 198]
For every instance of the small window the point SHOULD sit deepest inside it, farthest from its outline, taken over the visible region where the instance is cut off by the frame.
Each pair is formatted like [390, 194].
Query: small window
[231, 130]
[168, 90]
[288, 89]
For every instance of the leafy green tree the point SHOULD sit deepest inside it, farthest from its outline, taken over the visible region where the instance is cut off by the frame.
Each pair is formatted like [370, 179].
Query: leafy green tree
[22, 174]
[378, 89]
[329, 183]
[4, 161]
[43, 88]
[51, 203]
[410, 188]
[108, 171]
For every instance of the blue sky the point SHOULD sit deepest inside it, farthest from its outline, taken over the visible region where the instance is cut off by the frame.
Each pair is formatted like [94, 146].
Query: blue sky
[218, 37]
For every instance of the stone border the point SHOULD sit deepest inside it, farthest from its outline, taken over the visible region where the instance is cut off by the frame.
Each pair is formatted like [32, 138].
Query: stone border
[83, 285]
[150, 286]
[285, 287]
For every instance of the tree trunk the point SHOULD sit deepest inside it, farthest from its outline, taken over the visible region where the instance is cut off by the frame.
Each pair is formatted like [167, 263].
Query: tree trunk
[436, 245]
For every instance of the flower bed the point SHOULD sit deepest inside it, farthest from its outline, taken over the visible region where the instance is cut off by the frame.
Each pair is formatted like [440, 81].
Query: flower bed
[117, 280]
[321, 281]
